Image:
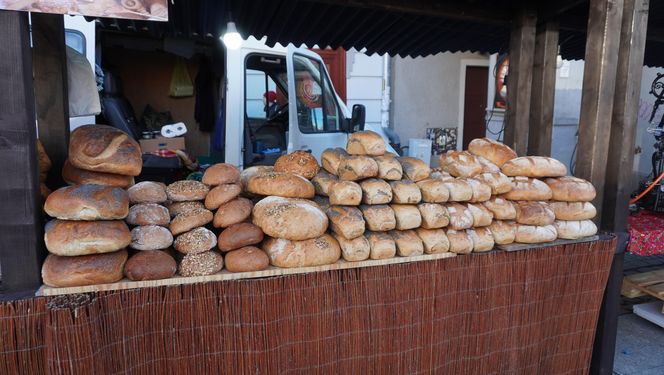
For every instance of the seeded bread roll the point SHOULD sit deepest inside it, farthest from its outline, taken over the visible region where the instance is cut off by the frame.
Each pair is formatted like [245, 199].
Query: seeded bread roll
[389, 167]
[528, 189]
[290, 218]
[487, 165]
[346, 193]
[189, 220]
[354, 250]
[405, 192]
[460, 216]
[504, 232]
[298, 162]
[150, 237]
[186, 190]
[250, 172]
[572, 230]
[346, 222]
[379, 217]
[365, 143]
[87, 202]
[433, 190]
[481, 191]
[534, 213]
[408, 243]
[407, 216]
[376, 191]
[498, 153]
[434, 240]
[317, 251]
[201, 264]
[239, 235]
[68, 271]
[72, 238]
[103, 148]
[176, 208]
[460, 190]
[571, 189]
[195, 241]
[573, 210]
[414, 169]
[77, 176]
[322, 182]
[382, 245]
[535, 234]
[147, 192]
[482, 239]
[233, 212]
[221, 173]
[247, 259]
[498, 182]
[281, 184]
[502, 209]
[434, 215]
[331, 158]
[534, 166]
[482, 217]
[150, 265]
[221, 194]
[148, 214]
[460, 241]
[356, 167]
[460, 164]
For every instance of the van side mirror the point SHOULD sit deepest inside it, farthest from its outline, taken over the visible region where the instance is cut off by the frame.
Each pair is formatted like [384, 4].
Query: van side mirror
[357, 118]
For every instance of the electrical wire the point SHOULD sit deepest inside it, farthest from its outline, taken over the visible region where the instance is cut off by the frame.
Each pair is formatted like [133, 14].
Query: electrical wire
[643, 193]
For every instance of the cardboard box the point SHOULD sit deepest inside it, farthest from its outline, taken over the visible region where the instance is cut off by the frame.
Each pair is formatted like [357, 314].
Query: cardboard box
[162, 143]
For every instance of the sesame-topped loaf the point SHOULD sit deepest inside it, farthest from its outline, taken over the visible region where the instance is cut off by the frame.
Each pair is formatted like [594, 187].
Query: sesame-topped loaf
[290, 218]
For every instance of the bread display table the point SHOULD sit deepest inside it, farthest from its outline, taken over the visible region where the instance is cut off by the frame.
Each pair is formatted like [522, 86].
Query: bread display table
[646, 233]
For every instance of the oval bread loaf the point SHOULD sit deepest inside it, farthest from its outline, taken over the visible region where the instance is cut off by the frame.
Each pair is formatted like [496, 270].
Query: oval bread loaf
[460, 164]
[572, 230]
[73, 238]
[535, 234]
[389, 167]
[534, 166]
[87, 202]
[221, 173]
[176, 208]
[528, 189]
[460, 216]
[482, 217]
[434, 240]
[356, 167]
[434, 215]
[433, 190]
[298, 162]
[201, 264]
[221, 194]
[460, 241]
[346, 193]
[504, 232]
[187, 190]
[487, 166]
[376, 191]
[68, 271]
[482, 239]
[460, 190]
[189, 220]
[290, 218]
[247, 259]
[281, 184]
[502, 209]
[307, 253]
[148, 214]
[407, 242]
[381, 245]
[571, 189]
[354, 250]
[407, 216]
[534, 213]
[322, 182]
[331, 158]
[494, 151]
[365, 143]
[497, 181]
[379, 217]
[346, 222]
[103, 148]
[414, 169]
[147, 192]
[239, 235]
[150, 237]
[195, 241]
[573, 210]
[233, 212]
[481, 191]
[250, 172]
[77, 176]
[150, 265]
[405, 192]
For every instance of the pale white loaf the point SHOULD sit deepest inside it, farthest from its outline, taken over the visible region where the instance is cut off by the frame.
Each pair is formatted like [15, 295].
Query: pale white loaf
[481, 191]
[347, 193]
[497, 181]
[433, 190]
[389, 167]
[460, 241]
[573, 210]
[356, 167]
[354, 250]
[502, 209]
[382, 245]
[434, 215]
[528, 189]
[482, 217]
[460, 190]
[376, 191]
[482, 239]
[407, 216]
[535, 234]
[289, 218]
[571, 189]
[345, 221]
[534, 166]
[414, 169]
[308, 253]
[572, 230]
[504, 232]
[460, 216]
[498, 153]
[435, 241]
[365, 143]
[322, 182]
[405, 192]
[379, 217]
[460, 164]
[408, 243]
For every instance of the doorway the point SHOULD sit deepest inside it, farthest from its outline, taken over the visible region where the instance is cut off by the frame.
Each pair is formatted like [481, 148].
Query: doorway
[474, 103]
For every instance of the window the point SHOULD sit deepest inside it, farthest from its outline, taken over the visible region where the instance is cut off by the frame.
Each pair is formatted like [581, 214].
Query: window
[259, 87]
[75, 40]
[317, 110]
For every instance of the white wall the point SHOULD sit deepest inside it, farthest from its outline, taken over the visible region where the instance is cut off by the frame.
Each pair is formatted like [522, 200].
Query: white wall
[364, 83]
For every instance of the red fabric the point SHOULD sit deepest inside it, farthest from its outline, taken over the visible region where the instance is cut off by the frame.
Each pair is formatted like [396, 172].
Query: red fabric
[646, 233]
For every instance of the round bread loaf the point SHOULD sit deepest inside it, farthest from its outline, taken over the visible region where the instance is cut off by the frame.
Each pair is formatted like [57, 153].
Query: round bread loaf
[535, 234]
[405, 192]
[487, 166]
[201, 264]
[347, 193]
[88, 202]
[379, 217]
[247, 259]
[189, 220]
[317, 251]
[534, 213]
[195, 241]
[389, 167]
[482, 217]
[148, 214]
[481, 191]
[573, 230]
[77, 176]
[250, 172]
[354, 250]
[460, 164]
[502, 209]
[72, 238]
[407, 216]
[221, 194]
[290, 218]
[233, 212]
[346, 222]
[322, 182]
[187, 190]
[281, 184]
[365, 143]
[147, 192]
[460, 190]
[176, 208]
[356, 167]
[221, 173]
[528, 189]
[494, 151]
[434, 240]
[460, 216]
[331, 158]
[68, 271]
[482, 239]
[433, 190]
[434, 215]
[298, 162]
[571, 189]
[414, 169]
[376, 191]
[150, 265]
[239, 235]
[407, 242]
[150, 237]
[322, 202]
[381, 245]
[573, 210]
[102, 148]
[504, 232]
[460, 241]
[497, 181]
[534, 166]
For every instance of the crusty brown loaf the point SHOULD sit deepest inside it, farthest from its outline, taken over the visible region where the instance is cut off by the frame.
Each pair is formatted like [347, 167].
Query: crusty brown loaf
[502, 209]
[381, 245]
[460, 241]
[281, 184]
[534, 166]
[147, 192]
[201, 264]
[88, 202]
[528, 189]
[195, 241]
[504, 232]
[376, 191]
[434, 215]
[365, 143]
[487, 165]
[408, 243]
[389, 167]
[239, 235]
[331, 158]
[232, 212]
[250, 172]
[356, 167]
[77, 176]
[345, 221]
[572, 230]
[221, 173]
[413, 168]
[433, 190]
[290, 218]
[150, 237]
[298, 162]
[354, 250]
[494, 151]
[312, 252]
[322, 182]
[102, 148]
[176, 208]
[189, 220]
[72, 238]
[460, 190]
[573, 210]
[148, 214]
[65, 271]
[434, 240]
[150, 265]
[405, 192]
[535, 234]
[407, 216]
[221, 194]
[247, 259]
[482, 239]
[571, 189]
[482, 217]
[460, 164]
[497, 181]
[347, 193]
[379, 217]
[534, 213]
[460, 216]
[481, 191]
[187, 190]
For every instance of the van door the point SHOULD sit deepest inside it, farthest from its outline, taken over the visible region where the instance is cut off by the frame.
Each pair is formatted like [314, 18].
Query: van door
[315, 111]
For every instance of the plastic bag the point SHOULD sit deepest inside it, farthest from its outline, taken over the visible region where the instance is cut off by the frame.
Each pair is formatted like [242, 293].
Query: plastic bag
[181, 84]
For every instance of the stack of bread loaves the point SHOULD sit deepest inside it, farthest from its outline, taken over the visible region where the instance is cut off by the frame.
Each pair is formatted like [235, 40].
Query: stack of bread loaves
[571, 206]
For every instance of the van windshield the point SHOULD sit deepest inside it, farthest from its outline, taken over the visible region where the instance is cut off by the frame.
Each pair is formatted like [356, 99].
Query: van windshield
[317, 109]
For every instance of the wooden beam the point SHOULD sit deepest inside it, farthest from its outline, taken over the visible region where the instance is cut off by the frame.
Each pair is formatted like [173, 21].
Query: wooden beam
[51, 96]
[519, 80]
[543, 90]
[625, 112]
[21, 244]
[599, 78]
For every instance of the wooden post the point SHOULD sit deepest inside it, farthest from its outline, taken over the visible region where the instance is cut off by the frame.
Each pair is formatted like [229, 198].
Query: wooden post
[543, 90]
[519, 79]
[599, 76]
[21, 227]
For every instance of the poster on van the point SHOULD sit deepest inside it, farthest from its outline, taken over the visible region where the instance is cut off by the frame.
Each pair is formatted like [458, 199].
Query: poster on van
[151, 10]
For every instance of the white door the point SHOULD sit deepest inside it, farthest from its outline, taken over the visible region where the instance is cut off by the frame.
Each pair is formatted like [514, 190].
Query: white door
[315, 114]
